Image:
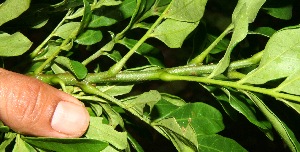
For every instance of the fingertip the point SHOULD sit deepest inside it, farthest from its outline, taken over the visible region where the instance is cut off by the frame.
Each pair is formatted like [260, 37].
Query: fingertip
[70, 119]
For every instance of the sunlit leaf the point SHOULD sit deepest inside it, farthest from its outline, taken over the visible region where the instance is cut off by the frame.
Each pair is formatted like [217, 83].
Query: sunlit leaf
[11, 9]
[173, 32]
[187, 10]
[65, 30]
[22, 146]
[107, 3]
[244, 13]
[79, 70]
[14, 45]
[98, 130]
[248, 8]
[116, 90]
[99, 21]
[89, 37]
[291, 84]
[280, 59]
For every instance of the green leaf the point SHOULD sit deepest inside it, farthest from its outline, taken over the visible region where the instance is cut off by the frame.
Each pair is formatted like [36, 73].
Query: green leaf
[286, 134]
[220, 47]
[165, 106]
[138, 104]
[187, 10]
[183, 138]
[11, 9]
[66, 145]
[151, 53]
[291, 104]
[280, 59]
[265, 31]
[13, 45]
[113, 116]
[217, 143]
[110, 149]
[115, 90]
[127, 8]
[203, 118]
[78, 69]
[173, 32]
[239, 33]
[107, 3]
[49, 50]
[222, 98]
[284, 13]
[87, 15]
[114, 55]
[244, 13]
[8, 138]
[97, 109]
[22, 146]
[98, 130]
[89, 37]
[240, 104]
[3, 128]
[248, 8]
[99, 21]
[290, 84]
[65, 30]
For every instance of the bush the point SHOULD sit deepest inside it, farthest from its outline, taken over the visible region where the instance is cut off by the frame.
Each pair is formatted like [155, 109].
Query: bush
[171, 71]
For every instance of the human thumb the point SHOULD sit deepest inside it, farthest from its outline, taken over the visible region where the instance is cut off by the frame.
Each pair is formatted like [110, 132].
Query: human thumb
[29, 106]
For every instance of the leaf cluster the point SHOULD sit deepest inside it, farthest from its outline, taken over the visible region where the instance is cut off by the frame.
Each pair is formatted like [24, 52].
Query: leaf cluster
[90, 47]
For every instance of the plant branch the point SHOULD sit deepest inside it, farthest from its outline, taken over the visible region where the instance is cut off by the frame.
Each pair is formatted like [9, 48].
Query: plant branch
[71, 37]
[270, 92]
[106, 48]
[138, 76]
[199, 59]
[37, 50]
[93, 90]
[119, 65]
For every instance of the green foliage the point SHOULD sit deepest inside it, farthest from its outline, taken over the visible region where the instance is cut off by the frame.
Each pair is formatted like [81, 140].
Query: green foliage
[20, 42]
[103, 51]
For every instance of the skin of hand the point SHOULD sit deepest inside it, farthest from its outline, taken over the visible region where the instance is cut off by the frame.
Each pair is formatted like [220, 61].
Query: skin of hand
[31, 107]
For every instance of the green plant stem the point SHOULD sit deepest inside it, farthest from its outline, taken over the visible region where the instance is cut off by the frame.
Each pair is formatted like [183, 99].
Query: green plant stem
[138, 76]
[57, 51]
[244, 63]
[270, 92]
[199, 59]
[37, 50]
[93, 90]
[119, 65]
[108, 47]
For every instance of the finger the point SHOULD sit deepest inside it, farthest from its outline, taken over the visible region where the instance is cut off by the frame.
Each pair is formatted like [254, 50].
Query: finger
[31, 107]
